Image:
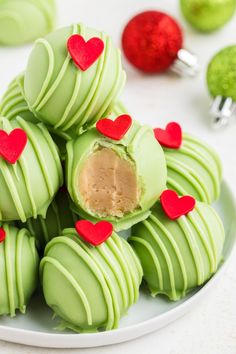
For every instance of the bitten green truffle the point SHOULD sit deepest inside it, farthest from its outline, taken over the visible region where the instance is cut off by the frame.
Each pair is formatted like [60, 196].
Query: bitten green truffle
[29, 185]
[115, 180]
[59, 216]
[88, 287]
[23, 21]
[194, 169]
[63, 96]
[61, 139]
[178, 255]
[19, 270]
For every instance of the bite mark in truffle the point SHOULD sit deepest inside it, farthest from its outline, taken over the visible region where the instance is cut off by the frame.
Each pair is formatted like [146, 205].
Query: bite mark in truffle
[108, 184]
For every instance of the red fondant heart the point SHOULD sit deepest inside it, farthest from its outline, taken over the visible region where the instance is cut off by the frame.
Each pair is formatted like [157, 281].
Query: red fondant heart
[175, 206]
[12, 145]
[114, 129]
[2, 234]
[94, 233]
[171, 136]
[83, 53]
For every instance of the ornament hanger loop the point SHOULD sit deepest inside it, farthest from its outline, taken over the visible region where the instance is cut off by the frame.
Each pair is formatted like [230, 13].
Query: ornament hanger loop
[223, 111]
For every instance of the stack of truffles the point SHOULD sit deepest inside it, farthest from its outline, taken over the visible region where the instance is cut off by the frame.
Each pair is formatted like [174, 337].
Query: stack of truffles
[75, 169]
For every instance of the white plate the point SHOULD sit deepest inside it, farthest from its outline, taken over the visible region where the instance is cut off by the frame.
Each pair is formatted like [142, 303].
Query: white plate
[36, 327]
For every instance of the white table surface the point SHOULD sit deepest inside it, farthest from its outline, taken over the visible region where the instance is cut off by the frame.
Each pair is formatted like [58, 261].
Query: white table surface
[211, 327]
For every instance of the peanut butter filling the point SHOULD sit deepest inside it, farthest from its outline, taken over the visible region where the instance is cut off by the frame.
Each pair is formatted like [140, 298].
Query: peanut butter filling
[108, 184]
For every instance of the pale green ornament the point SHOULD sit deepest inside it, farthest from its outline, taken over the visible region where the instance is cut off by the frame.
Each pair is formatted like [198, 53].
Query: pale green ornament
[207, 15]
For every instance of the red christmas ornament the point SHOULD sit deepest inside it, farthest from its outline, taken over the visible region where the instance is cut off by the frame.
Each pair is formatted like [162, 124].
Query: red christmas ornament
[152, 41]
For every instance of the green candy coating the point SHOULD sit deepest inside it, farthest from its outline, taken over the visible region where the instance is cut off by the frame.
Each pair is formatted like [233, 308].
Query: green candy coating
[221, 73]
[59, 216]
[23, 21]
[141, 149]
[13, 103]
[18, 271]
[208, 15]
[90, 288]
[194, 169]
[63, 96]
[178, 255]
[29, 185]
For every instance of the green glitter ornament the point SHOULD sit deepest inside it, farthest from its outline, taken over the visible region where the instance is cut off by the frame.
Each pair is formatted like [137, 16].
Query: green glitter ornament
[207, 15]
[221, 81]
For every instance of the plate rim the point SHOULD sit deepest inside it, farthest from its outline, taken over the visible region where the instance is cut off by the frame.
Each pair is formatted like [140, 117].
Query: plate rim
[120, 335]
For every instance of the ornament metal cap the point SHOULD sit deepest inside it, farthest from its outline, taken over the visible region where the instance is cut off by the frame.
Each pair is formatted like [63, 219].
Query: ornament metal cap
[223, 111]
[185, 64]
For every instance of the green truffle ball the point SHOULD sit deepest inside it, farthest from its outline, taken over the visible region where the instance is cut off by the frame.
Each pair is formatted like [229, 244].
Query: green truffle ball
[178, 255]
[88, 287]
[194, 169]
[63, 96]
[59, 216]
[221, 73]
[19, 270]
[208, 15]
[24, 21]
[29, 186]
[115, 180]
[13, 103]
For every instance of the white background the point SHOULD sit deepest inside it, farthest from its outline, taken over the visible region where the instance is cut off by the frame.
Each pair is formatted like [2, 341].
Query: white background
[211, 327]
